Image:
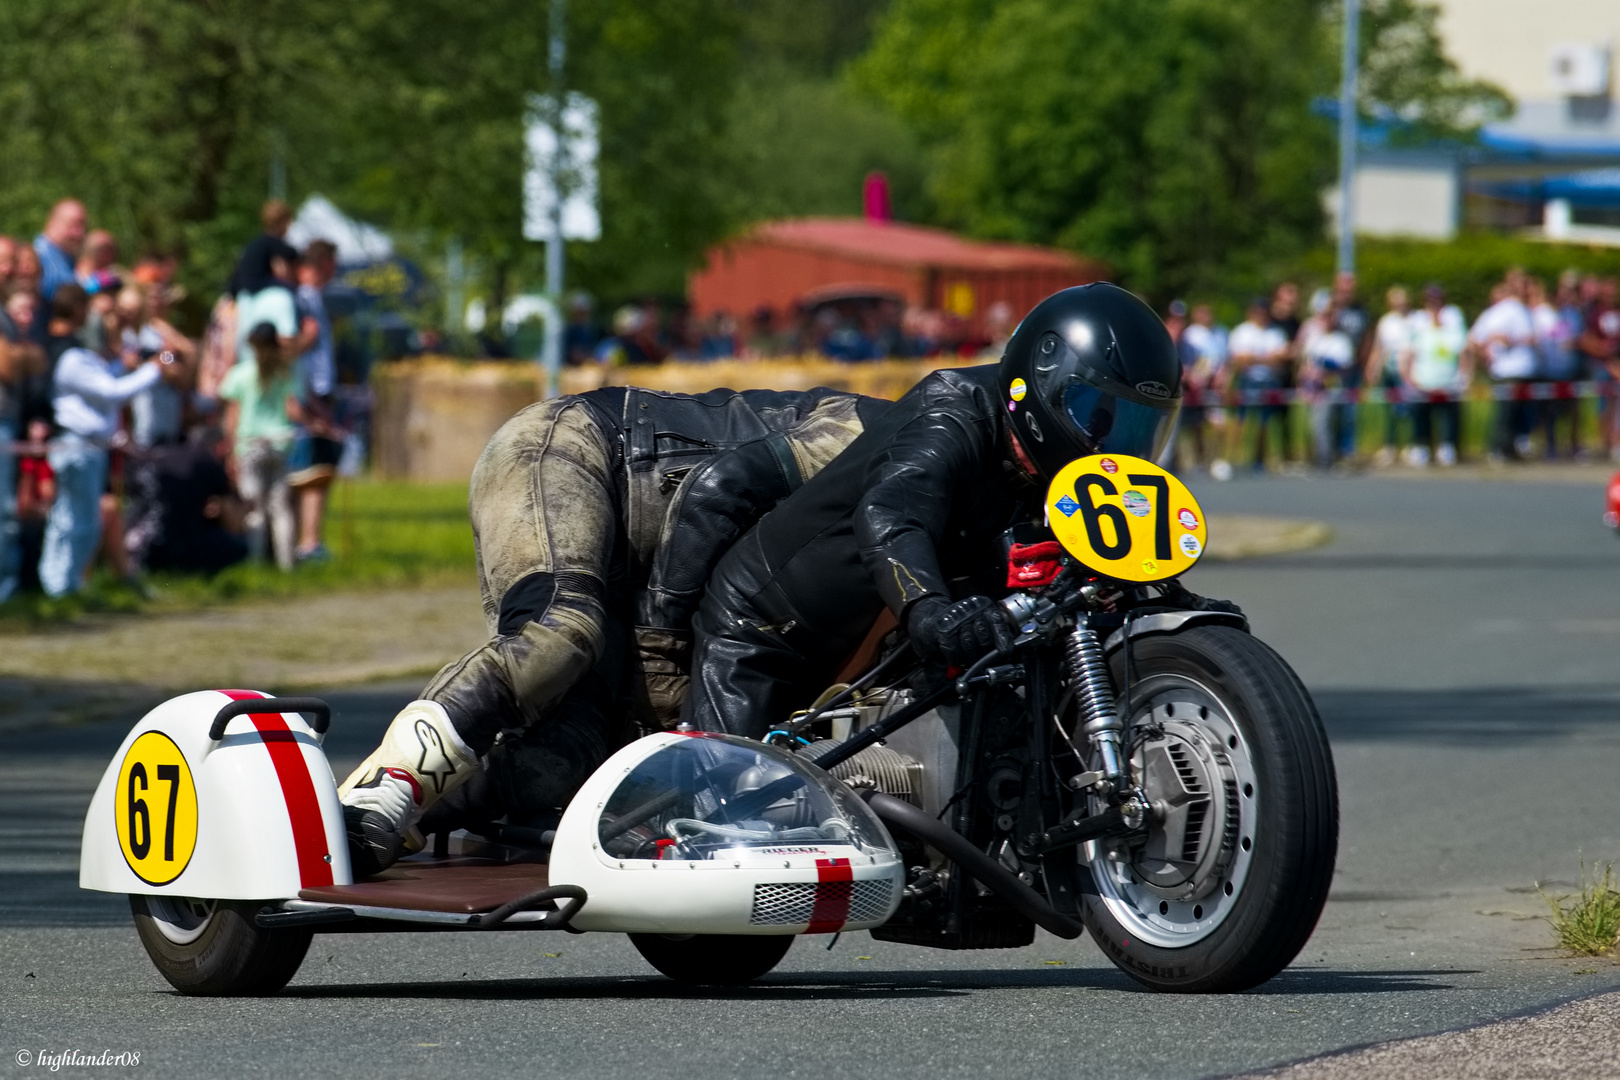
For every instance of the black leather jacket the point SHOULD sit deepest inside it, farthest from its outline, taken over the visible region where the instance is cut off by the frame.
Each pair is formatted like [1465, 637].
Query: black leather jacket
[695, 471]
[911, 509]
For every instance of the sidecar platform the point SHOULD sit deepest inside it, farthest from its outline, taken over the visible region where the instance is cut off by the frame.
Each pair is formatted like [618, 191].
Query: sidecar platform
[435, 892]
[451, 884]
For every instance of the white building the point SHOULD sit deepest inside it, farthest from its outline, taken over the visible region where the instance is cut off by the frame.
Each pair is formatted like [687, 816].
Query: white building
[1556, 58]
[1513, 42]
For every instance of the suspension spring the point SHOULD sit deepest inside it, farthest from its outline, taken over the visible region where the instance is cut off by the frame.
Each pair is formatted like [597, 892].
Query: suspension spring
[1094, 694]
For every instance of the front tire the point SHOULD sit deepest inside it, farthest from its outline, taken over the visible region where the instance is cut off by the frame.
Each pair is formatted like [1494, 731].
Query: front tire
[1227, 885]
[713, 959]
[213, 948]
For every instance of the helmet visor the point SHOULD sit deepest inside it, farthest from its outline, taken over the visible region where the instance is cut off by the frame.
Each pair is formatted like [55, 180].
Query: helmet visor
[1114, 425]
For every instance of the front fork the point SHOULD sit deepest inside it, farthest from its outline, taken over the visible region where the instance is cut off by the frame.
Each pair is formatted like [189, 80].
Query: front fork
[1094, 694]
[1102, 730]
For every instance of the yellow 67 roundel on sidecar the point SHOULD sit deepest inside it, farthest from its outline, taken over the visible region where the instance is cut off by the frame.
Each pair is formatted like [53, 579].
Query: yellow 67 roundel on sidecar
[1126, 518]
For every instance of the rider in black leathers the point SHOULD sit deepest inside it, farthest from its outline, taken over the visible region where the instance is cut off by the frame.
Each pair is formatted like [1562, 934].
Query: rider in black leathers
[907, 515]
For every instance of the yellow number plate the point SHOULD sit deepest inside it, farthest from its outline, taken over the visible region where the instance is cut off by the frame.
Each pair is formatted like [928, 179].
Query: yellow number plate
[1125, 518]
[155, 809]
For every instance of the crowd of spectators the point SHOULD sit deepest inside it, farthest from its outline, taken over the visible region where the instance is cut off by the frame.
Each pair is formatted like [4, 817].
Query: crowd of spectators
[850, 329]
[127, 444]
[1423, 358]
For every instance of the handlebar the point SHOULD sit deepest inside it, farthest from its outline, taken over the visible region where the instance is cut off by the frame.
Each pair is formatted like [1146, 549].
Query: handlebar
[322, 711]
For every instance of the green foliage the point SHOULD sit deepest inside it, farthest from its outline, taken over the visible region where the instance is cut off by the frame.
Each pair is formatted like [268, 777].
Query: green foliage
[162, 114]
[1467, 267]
[808, 40]
[1405, 73]
[1172, 140]
[383, 535]
[157, 113]
[802, 146]
[1590, 925]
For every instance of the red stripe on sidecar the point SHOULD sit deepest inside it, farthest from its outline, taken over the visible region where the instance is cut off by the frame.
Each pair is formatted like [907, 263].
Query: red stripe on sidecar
[297, 790]
[835, 888]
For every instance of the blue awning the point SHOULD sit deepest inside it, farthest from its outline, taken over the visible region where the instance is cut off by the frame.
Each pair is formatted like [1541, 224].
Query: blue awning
[1593, 187]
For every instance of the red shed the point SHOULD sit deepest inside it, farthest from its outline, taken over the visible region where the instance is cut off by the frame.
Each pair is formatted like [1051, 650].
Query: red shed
[780, 263]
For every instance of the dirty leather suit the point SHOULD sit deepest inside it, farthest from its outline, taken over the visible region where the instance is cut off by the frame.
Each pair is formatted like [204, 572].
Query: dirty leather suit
[912, 509]
[594, 510]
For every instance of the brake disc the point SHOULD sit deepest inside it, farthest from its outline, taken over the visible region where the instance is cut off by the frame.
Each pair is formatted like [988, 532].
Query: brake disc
[1193, 791]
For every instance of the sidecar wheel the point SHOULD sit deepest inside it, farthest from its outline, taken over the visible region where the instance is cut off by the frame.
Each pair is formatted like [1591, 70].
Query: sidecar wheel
[1227, 885]
[213, 948]
[713, 959]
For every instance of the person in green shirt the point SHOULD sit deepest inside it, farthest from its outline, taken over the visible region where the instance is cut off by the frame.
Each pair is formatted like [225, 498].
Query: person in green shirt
[262, 413]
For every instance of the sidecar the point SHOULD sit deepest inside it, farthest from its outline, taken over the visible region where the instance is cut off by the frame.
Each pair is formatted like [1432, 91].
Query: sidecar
[219, 818]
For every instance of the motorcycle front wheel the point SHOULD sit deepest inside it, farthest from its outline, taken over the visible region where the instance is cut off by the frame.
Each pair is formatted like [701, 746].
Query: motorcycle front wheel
[1225, 886]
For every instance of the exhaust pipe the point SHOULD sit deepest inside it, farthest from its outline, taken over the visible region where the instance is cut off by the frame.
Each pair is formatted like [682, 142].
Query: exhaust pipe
[975, 863]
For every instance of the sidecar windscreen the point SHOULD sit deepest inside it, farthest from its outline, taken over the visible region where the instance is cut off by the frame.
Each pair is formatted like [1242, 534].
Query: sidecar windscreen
[709, 797]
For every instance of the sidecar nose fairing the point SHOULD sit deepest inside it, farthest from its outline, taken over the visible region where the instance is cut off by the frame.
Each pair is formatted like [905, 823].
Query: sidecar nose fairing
[689, 833]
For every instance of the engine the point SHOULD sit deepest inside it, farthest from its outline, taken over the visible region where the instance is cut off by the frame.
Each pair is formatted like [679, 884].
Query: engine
[890, 771]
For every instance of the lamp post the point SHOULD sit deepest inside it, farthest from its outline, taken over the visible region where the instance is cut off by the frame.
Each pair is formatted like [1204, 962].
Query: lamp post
[551, 356]
[1347, 138]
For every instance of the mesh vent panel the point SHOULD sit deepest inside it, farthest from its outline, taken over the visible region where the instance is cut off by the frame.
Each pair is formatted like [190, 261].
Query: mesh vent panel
[791, 903]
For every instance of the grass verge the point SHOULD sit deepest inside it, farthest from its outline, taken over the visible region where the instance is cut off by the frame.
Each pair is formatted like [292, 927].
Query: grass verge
[382, 535]
[1587, 923]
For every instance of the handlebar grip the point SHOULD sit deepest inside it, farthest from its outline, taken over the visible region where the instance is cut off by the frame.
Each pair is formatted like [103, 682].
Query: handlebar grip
[322, 711]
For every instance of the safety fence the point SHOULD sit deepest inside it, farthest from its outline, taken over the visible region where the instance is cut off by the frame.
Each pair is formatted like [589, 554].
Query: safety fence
[1376, 395]
[433, 415]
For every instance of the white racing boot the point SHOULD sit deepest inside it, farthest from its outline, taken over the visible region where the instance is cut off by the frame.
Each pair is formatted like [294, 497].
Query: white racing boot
[421, 760]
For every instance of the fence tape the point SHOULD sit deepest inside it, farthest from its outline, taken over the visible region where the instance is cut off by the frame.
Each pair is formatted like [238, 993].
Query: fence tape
[1372, 395]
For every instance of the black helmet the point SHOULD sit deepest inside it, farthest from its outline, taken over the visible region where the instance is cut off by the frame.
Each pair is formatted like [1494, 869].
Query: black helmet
[1091, 370]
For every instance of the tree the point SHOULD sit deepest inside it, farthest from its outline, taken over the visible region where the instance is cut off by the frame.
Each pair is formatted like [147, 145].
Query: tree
[1407, 78]
[1175, 140]
[157, 113]
[161, 115]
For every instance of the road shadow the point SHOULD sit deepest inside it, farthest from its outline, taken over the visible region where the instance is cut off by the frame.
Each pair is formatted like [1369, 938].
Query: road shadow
[857, 985]
[1306, 981]
[1477, 717]
[47, 718]
[863, 985]
[54, 899]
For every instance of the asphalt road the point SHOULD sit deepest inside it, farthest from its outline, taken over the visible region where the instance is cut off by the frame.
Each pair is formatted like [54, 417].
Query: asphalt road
[1461, 639]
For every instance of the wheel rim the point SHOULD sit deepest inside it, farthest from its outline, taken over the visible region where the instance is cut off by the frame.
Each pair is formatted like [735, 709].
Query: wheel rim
[1177, 887]
[180, 919]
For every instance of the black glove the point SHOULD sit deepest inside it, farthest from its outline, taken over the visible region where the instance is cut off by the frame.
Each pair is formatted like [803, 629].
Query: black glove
[1177, 593]
[960, 632]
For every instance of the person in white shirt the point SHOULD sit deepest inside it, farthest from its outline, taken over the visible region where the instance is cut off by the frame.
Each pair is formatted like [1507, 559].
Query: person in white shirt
[1439, 363]
[1257, 356]
[1392, 347]
[1203, 363]
[1506, 335]
[87, 393]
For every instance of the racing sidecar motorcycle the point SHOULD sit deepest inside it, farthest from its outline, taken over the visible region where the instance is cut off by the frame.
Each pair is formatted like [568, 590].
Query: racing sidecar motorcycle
[1134, 764]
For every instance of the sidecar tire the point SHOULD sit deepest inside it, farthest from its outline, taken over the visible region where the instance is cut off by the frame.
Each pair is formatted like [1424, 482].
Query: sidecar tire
[222, 953]
[1294, 831]
[713, 959]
